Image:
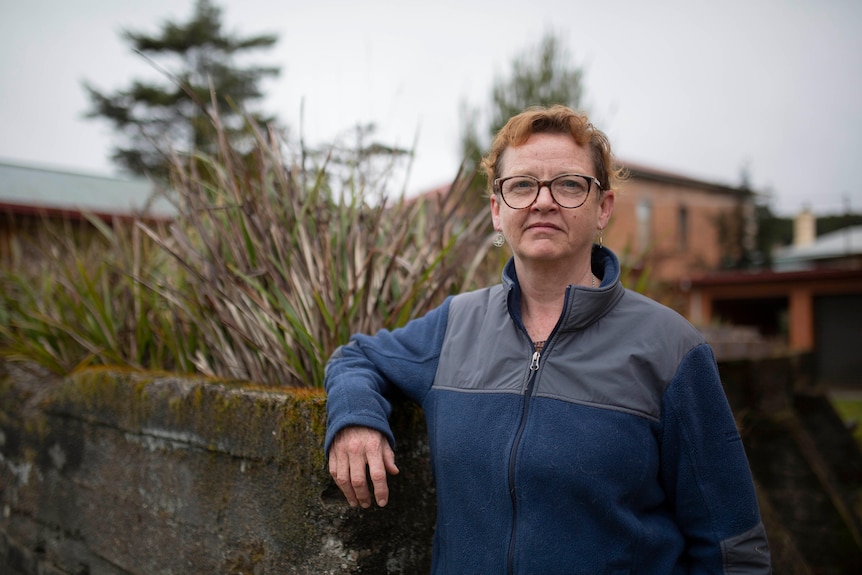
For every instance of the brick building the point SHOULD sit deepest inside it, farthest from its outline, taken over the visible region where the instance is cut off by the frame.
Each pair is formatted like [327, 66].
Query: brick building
[675, 227]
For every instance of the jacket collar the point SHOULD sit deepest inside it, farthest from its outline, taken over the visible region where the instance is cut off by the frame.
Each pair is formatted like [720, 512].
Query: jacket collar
[583, 305]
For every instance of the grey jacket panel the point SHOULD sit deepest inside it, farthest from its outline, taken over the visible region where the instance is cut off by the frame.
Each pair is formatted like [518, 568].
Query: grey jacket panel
[484, 350]
[747, 553]
[610, 323]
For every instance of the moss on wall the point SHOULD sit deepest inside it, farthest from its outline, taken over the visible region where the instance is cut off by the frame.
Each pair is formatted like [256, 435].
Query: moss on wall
[118, 471]
[126, 472]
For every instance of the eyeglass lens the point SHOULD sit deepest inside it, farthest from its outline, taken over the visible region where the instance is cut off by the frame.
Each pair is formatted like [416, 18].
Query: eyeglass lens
[568, 190]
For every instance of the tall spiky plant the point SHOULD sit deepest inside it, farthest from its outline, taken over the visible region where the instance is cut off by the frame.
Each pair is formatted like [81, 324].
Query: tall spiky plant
[283, 265]
[269, 266]
[82, 302]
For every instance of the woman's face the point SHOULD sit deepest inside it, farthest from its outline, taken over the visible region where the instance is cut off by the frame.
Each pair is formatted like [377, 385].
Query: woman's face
[545, 232]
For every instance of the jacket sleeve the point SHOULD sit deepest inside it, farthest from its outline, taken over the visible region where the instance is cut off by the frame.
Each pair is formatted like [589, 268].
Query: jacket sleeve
[706, 474]
[362, 374]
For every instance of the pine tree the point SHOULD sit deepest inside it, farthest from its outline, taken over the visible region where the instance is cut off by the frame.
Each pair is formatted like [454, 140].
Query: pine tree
[542, 75]
[155, 120]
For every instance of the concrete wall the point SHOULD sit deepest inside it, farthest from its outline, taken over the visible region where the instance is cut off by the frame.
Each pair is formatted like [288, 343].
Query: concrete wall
[116, 472]
[805, 461]
[112, 472]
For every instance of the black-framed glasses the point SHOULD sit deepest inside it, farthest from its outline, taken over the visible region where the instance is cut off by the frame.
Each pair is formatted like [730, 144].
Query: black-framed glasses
[567, 190]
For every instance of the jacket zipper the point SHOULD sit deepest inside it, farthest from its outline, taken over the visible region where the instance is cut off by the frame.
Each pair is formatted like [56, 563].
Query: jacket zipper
[528, 393]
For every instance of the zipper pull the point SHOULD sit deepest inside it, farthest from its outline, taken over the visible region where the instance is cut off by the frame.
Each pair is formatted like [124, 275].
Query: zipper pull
[534, 363]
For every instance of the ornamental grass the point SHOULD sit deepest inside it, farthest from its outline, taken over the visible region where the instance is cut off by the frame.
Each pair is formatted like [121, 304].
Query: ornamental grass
[275, 257]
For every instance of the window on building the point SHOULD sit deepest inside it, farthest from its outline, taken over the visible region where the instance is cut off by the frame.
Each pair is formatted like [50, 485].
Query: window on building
[682, 227]
[643, 214]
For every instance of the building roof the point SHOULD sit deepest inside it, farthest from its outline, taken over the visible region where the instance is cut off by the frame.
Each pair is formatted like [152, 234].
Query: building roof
[31, 189]
[843, 243]
[642, 172]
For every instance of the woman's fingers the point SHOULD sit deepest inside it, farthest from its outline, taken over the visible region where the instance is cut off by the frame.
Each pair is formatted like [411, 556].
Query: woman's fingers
[359, 453]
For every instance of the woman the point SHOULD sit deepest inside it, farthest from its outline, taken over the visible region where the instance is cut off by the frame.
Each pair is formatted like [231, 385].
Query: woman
[575, 426]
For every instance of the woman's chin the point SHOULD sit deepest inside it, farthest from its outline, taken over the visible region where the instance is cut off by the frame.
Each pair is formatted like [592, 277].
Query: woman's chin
[544, 253]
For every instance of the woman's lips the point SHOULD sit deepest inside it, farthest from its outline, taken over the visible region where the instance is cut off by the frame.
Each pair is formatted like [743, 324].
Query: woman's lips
[539, 226]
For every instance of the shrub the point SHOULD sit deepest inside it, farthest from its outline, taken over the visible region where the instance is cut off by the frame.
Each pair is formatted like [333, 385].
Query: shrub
[268, 267]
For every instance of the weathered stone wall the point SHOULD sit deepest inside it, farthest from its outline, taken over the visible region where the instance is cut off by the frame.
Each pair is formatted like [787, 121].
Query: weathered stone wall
[807, 465]
[113, 472]
[117, 472]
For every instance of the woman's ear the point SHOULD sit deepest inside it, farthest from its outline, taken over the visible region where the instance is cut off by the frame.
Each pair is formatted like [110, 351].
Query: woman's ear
[606, 208]
[495, 212]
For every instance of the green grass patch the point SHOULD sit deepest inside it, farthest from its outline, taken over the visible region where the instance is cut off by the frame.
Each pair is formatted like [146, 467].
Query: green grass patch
[850, 411]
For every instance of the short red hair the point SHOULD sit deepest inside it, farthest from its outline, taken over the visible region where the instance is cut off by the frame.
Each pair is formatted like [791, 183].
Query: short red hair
[555, 120]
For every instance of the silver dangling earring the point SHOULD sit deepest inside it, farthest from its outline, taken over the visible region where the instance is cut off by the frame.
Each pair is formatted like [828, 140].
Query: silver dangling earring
[601, 240]
[499, 239]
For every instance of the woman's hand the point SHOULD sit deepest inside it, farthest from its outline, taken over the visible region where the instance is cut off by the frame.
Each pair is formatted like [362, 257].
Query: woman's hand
[354, 450]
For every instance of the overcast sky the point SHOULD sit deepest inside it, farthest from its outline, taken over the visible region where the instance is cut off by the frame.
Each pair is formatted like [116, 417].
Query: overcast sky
[699, 87]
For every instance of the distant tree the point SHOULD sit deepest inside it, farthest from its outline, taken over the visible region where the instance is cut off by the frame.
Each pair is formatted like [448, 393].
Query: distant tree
[776, 231]
[542, 75]
[771, 230]
[154, 119]
[738, 235]
[832, 223]
[740, 230]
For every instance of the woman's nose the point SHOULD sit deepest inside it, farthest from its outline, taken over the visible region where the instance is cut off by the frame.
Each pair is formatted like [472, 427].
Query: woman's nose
[545, 198]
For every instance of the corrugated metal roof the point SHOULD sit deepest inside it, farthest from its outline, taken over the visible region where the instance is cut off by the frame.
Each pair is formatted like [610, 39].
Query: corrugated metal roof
[845, 242]
[39, 188]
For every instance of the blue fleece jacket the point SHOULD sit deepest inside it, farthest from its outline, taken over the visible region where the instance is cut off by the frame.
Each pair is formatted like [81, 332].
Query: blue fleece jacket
[613, 450]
